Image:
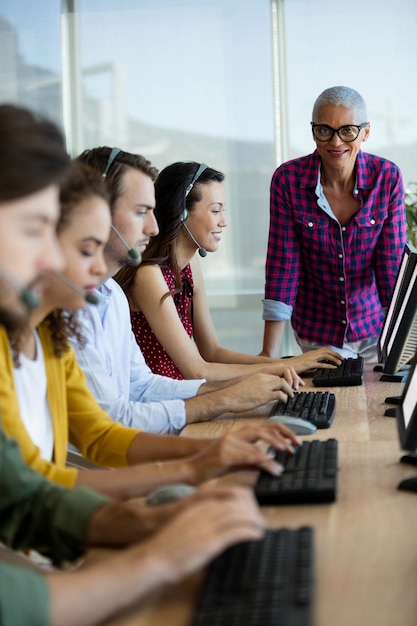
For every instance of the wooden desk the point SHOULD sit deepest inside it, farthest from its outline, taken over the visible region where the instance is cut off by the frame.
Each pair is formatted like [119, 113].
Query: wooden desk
[365, 542]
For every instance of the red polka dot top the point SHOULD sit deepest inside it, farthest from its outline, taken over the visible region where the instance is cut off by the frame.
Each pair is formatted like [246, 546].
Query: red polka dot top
[154, 354]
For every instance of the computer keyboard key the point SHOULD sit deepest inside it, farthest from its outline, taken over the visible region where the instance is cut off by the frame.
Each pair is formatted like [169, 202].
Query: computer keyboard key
[309, 476]
[260, 583]
[348, 373]
[317, 407]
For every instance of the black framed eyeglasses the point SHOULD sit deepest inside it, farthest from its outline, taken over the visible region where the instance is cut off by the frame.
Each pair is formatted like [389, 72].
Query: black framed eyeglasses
[350, 132]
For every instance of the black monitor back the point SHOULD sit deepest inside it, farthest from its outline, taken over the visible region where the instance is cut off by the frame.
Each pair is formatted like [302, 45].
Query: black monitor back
[404, 274]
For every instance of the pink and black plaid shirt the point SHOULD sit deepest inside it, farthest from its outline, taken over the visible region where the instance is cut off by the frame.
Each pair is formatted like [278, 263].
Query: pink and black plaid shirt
[331, 280]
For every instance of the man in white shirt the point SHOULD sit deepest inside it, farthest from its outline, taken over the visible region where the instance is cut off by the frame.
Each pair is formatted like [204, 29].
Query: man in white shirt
[114, 366]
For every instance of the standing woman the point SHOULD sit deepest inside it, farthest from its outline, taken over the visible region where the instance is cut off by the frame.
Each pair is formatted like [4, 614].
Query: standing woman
[336, 235]
[170, 314]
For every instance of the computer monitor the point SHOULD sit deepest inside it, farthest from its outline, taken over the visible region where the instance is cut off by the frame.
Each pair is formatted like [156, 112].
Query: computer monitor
[401, 341]
[407, 427]
[407, 413]
[408, 262]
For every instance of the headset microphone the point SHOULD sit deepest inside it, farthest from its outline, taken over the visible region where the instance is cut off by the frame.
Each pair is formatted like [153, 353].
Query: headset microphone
[29, 298]
[26, 295]
[201, 168]
[132, 253]
[201, 251]
[91, 298]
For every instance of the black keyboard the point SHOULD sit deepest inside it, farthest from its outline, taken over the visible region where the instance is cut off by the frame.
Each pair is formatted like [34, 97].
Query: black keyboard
[260, 583]
[316, 407]
[310, 475]
[348, 374]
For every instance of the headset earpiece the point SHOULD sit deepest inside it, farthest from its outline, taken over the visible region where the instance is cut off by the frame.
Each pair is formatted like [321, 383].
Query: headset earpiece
[185, 215]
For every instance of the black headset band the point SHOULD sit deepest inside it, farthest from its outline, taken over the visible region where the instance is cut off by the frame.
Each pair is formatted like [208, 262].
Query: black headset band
[112, 156]
[201, 168]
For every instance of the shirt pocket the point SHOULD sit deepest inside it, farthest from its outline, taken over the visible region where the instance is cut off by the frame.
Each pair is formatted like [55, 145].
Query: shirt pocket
[365, 232]
[314, 235]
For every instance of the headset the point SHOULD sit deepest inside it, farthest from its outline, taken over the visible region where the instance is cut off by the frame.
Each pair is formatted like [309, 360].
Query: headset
[132, 253]
[28, 297]
[201, 168]
[89, 297]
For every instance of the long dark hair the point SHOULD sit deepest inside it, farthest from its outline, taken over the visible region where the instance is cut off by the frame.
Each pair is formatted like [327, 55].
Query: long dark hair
[171, 204]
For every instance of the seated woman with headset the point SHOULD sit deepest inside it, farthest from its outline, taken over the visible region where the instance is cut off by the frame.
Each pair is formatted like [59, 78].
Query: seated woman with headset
[169, 309]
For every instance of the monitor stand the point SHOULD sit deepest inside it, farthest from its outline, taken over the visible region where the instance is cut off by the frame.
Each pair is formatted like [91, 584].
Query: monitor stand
[409, 484]
[393, 400]
[399, 377]
[392, 411]
[409, 459]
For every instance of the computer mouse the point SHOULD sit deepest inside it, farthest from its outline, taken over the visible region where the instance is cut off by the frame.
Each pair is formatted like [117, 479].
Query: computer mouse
[297, 425]
[169, 493]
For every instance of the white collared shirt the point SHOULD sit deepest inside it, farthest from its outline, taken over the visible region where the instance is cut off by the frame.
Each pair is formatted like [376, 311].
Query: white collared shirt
[116, 371]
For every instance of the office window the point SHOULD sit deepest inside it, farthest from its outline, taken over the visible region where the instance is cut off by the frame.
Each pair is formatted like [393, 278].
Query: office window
[227, 82]
[370, 46]
[30, 55]
[192, 80]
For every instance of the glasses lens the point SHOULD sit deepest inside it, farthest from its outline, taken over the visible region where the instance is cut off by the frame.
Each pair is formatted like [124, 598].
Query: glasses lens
[348, 133]
[323, 132]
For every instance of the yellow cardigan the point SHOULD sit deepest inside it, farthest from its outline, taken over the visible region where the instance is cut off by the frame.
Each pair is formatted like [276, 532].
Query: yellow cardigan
[76, 416]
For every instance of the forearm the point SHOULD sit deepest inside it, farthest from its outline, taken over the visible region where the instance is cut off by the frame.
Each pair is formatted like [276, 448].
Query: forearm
[137, 480]
[126, 523]
[90, 596]
[273, 333]
[248, 363]
[227, 365]
[213, 401]
[220, 368]
[147, 447]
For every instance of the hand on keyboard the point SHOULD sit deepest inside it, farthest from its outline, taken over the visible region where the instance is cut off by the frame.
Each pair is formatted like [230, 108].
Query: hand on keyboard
[320, 357]
[349, 373]
[223, 516]
[237, 450]
[317, 407]
[310, 475]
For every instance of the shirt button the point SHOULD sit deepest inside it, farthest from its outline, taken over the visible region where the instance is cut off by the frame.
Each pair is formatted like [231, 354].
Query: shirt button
[343, 302]
[340, 256]
[341, 279]
[372, 221]
[343, 321]
[355, 191]
[343, 228]
[310, 224]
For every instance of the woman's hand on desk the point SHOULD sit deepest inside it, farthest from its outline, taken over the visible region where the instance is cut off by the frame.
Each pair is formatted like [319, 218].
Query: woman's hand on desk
[237, 450]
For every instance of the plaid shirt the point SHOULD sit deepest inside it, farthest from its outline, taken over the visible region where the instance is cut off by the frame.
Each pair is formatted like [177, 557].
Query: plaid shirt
[333, 279]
